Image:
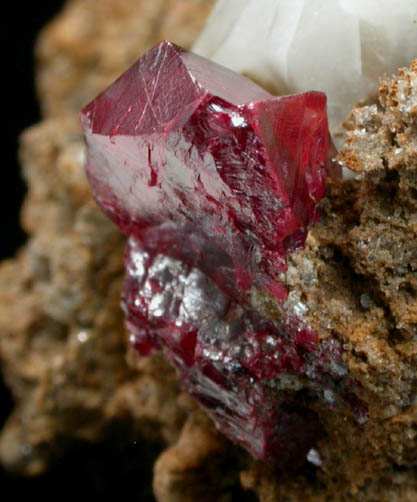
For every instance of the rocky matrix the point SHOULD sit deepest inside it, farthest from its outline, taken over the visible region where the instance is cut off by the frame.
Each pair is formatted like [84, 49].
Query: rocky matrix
[215, 182]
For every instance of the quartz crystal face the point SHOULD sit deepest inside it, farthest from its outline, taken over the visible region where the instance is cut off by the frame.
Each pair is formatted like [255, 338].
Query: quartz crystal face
[215, 182]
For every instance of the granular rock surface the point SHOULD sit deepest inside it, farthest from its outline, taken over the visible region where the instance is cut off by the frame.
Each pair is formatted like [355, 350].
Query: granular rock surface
[62, 341]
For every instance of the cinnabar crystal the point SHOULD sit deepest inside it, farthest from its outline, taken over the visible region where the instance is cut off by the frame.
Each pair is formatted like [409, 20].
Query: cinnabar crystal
[215, 181]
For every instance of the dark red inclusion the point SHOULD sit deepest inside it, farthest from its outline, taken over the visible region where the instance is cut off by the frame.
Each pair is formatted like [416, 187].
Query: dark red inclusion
[215, 181]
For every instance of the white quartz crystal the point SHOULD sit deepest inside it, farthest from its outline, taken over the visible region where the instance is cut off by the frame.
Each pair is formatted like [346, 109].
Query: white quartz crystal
[340, 47]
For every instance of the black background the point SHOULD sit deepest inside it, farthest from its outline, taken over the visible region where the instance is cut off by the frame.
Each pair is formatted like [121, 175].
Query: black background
[116, 467]
[21, 24]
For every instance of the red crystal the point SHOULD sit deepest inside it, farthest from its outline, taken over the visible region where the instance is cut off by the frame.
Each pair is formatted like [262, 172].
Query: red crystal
[215, 181]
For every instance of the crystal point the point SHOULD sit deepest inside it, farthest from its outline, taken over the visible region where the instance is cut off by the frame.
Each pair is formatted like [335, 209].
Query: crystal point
[215, 181]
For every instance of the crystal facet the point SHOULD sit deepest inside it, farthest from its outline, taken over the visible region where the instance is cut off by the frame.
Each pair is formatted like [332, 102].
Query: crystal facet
[215, 181]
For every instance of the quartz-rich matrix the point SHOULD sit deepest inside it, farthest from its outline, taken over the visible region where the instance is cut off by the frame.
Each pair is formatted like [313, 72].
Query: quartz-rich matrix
[215, 182]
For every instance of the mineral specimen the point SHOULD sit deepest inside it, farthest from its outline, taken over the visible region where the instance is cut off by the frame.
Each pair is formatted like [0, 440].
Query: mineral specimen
[215, 182]
[356, 278]
[286, 45]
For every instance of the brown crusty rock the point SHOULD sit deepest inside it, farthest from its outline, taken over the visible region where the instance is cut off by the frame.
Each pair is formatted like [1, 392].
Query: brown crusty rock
[357, 279]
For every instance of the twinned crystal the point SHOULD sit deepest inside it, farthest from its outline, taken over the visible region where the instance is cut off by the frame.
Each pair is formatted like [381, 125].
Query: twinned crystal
[215, 182]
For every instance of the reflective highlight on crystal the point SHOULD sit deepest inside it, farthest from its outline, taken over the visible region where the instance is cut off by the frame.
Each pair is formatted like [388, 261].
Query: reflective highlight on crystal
[215, 181]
